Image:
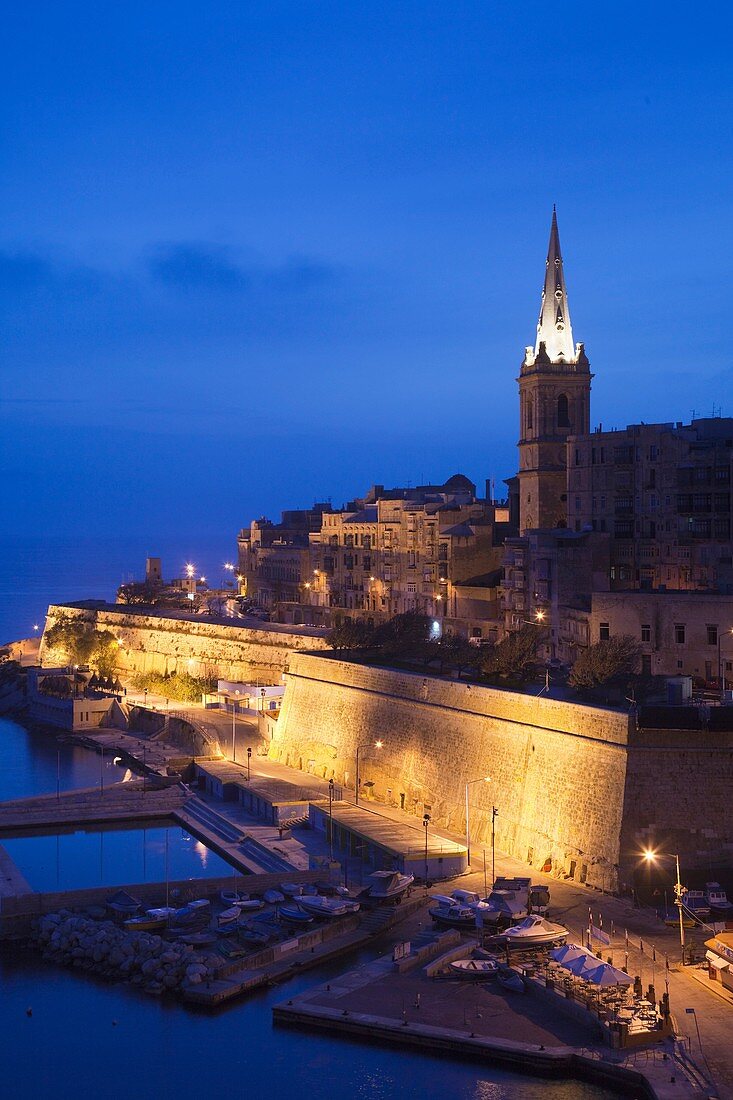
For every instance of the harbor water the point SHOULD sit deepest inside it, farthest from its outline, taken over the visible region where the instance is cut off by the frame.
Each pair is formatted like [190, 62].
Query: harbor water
[65, 1034]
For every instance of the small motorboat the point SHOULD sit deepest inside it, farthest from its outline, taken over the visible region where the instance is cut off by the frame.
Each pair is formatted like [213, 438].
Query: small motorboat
[448, 913]
[478, 969]
[123, 903]
[291, 914]
[389, 886]
[717, 898]
[273, 897]
[696, 902]
[145, 923]
[327, 907]
[509, 979]
[534, 931]
[291, 889]
[228, 916]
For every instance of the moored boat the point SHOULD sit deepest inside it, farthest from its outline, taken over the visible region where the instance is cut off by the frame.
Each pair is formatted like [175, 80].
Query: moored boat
[228, 915]
[695, 902]
[449, 913]
[291, 914]
[251, 905]
[145, 923]
[184, 916]
[717, 898]
[534, 931]
[232, 897]
[273, 897]
[291, 889]
[388, 885]
[327, 907]
[123, 903]
[478, 969]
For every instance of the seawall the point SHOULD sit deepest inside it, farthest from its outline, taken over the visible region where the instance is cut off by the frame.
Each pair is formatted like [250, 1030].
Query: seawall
[557, 770]
[157, 643]
[579, 789]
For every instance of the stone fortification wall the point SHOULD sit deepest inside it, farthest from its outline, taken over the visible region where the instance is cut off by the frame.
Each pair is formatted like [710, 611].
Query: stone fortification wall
[558, 770]
[678, 797]
[153, 643]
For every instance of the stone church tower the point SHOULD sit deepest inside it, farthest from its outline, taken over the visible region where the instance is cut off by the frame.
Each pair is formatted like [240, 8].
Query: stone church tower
[554, 402]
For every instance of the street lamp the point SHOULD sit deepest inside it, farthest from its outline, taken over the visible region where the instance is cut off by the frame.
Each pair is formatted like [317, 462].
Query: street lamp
[494, 815]
[426, 822]
[483, 779]
[249, 758]
[377, 745]
[234, 728]
[651, 857]
[330, 820]
[721, 678]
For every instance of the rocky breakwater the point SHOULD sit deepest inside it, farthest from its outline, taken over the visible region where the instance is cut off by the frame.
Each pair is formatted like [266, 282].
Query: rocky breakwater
[114, 953]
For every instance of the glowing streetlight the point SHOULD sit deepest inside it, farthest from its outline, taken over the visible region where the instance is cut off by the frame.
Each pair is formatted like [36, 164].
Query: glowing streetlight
[228, 566]
[377, 745]
[650, 856]
[483, 779]
[190, 570]
[36, 627]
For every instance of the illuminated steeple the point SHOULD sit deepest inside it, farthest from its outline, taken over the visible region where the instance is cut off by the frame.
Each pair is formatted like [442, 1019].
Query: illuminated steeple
[553, 328]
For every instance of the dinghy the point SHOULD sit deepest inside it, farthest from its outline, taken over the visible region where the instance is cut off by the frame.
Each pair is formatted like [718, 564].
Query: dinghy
[478, 969]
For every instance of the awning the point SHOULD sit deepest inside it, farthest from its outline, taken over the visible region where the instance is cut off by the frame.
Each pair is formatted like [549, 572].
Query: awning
[716, 961]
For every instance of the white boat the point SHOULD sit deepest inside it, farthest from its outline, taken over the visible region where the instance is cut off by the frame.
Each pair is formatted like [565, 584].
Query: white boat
[389, 885]
[200, 903]
[478, 969]
[696, 903]
[451, 914]
[250, 905]
[327, 907]
[232, 897]
[466, 897]
[717, 898]
[292, 889]
[228, 915]
[273, 897]
[162, 913]
[533, 932]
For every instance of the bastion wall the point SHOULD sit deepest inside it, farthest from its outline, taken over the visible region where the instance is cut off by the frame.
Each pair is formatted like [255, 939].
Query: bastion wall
[558, 770]
[153, 643]
[579, 789]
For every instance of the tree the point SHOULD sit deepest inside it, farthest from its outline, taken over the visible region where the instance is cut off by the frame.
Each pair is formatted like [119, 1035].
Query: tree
[137, 592]
[515, 656]
[608, 660]
[405, 636]
[350, 634]
[77, 642]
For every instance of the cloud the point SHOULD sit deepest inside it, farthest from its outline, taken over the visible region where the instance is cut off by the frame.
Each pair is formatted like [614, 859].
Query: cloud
[202, 266]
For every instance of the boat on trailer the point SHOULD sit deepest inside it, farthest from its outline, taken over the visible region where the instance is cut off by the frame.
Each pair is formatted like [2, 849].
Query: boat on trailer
[534, 931]
[480, 970]
[451, 914]
[327, 907]
[388, 885]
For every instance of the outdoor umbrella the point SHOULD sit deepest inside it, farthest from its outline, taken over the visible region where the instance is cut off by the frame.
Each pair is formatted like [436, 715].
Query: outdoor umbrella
[605, 975]
[581, 965]
[567, 952]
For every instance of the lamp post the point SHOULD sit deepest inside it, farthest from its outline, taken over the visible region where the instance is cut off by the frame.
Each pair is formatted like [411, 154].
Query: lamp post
[249, 758]
[426, 822]
[651, 857]
[721, 678]
[377, 745]
[330, 820]
[494, 814]
[483, 779]
[101, 770]
[235, 702]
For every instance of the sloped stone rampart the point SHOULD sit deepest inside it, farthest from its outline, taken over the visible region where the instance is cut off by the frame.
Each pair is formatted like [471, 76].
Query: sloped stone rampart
[153, 643]
[557, 770]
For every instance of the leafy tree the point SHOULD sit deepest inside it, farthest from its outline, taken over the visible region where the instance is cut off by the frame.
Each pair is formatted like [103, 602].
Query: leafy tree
[350, 634]
[175, 685]
[74, 641]
[138, 592]
[608, 660]
[405, 636]
[515, 656]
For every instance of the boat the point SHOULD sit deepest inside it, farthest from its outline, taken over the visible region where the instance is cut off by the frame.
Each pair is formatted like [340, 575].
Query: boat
[123, 903]
[254, 936]
[145, 923]
[478, 969]
[539, 900]
[228, 915]
[671, 917]
[199, 939]
[291, 889]
[200, 903]
[250, 905]
[509, 979]
[291, 914]
[389, 885]
[534, 931]
[450, 914]
[232, 897]
[717, 898]
[273, 897]
[467, 897]
[327, 907]
[696, 902]
[507, 903]
[185, 916]
[164, 912]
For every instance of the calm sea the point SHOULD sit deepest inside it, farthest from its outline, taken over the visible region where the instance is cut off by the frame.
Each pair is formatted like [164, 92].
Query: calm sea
[88, 1038]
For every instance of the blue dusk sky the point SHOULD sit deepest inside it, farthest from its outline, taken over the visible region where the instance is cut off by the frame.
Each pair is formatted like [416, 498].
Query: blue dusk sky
[257, 254]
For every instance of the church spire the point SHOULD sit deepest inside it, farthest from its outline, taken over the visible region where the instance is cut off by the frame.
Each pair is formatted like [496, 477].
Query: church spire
[553, 328]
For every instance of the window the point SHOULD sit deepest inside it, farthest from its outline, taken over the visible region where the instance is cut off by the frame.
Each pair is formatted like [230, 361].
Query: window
[679, 633]
[563, 419]
[577, 456]
[646, 632]
[529, 414]
[604, 631]
[411, 587]
[712, 635]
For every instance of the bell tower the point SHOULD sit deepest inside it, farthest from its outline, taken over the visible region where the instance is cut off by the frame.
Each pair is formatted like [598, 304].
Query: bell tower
[554, 402]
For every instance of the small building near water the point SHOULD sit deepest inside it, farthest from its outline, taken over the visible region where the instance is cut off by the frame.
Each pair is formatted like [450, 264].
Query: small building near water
[719, 955]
